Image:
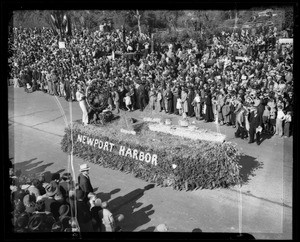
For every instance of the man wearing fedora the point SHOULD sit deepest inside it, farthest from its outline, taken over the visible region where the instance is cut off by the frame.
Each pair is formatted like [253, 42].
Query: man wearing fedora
[84, 182]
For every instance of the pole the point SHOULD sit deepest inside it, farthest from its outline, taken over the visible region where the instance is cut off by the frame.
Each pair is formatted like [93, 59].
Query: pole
[152, 43]
[138, 16]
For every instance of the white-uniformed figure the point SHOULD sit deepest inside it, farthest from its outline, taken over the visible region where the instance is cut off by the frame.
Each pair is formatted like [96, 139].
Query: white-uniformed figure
[81, 98]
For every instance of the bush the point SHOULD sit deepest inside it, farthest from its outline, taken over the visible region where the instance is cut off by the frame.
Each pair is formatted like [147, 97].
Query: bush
[199, 164]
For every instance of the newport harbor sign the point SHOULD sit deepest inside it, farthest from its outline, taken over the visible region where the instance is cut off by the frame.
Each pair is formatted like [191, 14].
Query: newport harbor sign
[119, 149]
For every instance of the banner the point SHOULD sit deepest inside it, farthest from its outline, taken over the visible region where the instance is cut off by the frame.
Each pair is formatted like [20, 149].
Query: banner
[286, 41]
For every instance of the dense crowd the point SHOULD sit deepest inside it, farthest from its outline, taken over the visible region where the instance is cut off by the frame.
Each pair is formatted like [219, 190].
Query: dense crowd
[242, 79]
[49, 202]
[56, 204]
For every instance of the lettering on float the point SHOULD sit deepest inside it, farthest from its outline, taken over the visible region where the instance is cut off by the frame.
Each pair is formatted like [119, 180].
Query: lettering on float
[122, 150]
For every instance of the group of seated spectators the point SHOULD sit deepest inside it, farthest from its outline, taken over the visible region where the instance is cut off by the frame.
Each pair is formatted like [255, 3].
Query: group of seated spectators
[54, 204]
[237, 73]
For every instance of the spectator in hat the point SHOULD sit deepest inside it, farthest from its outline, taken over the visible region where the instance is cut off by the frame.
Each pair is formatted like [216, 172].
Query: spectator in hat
[84, 182]
[29, 203]
[51, 204]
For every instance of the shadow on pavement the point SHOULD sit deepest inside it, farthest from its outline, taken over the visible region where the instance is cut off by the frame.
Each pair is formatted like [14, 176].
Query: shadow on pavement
[265, 136]
[249, 166]
[127, 204]
[107, 196]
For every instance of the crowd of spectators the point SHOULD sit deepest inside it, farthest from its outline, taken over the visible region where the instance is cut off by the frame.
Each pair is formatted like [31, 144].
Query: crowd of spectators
[236, 74]
[51, 203]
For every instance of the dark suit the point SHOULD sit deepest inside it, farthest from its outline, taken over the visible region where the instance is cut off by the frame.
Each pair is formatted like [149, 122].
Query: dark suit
[85, 185]
[141, 97]
[84, 217]
[254, 122]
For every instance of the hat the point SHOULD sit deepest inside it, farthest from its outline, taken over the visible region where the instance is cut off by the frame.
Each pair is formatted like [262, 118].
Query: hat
[98, 202]
[161, 228]
[66, 176]
[36, 222]
[84, 167]
[28, 200]
[51, 189]
[64, 210]
[57, 227]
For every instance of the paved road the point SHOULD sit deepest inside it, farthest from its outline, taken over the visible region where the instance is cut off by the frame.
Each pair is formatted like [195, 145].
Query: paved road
[262, 206]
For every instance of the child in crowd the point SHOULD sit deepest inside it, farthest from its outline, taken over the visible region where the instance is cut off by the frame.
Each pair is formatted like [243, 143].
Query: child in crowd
[279, 121]
[287, 124]
[127, 101]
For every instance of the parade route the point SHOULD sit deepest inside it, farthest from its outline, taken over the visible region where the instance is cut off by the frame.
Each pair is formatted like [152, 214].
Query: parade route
[262, 206]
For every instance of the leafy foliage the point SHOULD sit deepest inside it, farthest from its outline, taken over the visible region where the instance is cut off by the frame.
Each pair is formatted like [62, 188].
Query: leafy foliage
[205, 165]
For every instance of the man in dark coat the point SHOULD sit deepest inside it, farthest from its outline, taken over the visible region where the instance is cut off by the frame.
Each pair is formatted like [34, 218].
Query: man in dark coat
[191, 96]
[176, 94]
[141, 97]
[84, 181]
[84, 216]
[254, 121]
[67, 89]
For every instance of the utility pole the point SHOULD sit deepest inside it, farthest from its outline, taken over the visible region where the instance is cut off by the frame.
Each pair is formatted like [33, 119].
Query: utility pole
[138, 16]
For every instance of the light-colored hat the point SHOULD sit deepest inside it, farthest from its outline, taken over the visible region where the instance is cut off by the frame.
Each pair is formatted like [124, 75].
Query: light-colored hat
[84, 167]
[161, 228]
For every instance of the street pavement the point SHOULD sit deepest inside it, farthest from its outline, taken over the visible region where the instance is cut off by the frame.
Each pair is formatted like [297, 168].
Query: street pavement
[262, 206]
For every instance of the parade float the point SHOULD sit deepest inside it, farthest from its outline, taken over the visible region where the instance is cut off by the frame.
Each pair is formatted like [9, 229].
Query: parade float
[180, 155]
